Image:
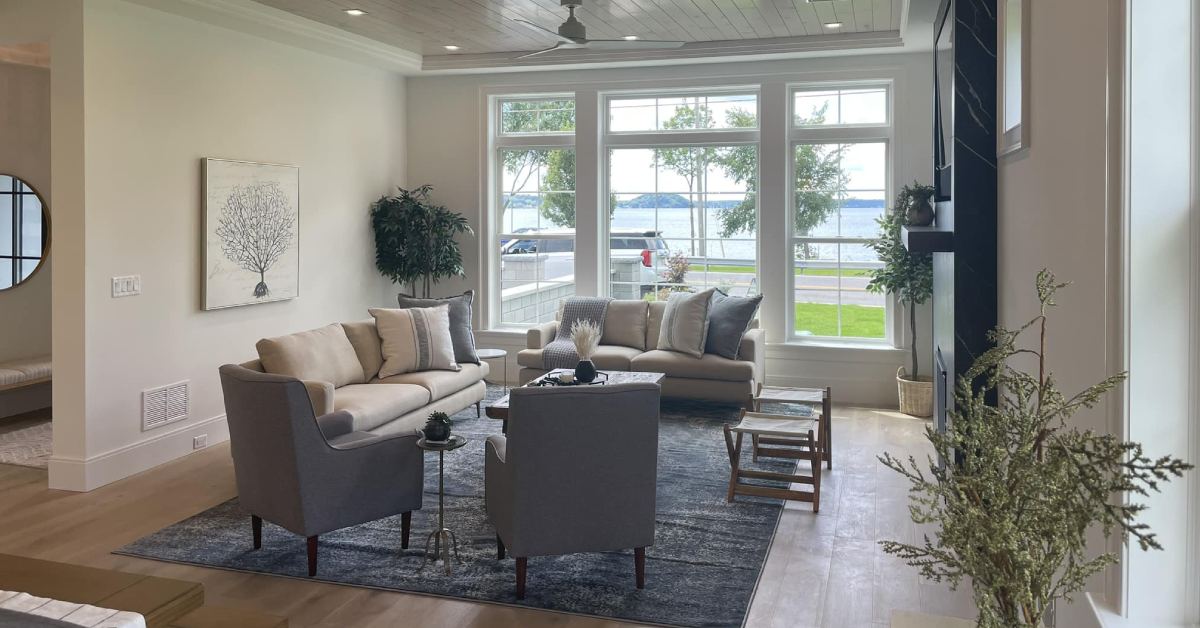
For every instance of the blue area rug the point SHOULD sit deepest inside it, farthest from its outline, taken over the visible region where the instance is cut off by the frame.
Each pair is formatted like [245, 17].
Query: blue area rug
[701, 571]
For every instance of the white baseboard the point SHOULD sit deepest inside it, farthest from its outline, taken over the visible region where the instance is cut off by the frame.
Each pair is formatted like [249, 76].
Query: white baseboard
[70, 474]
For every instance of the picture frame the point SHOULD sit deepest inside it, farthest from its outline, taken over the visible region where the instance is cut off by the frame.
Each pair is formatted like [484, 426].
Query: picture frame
[251, 236]
[1012, 76]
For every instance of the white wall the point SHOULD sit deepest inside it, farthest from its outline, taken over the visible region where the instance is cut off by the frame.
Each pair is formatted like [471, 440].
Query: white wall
[25, 152]
[446, 142]
[162, 92]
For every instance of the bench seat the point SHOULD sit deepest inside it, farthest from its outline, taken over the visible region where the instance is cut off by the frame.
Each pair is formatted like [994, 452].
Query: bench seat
[24, 372]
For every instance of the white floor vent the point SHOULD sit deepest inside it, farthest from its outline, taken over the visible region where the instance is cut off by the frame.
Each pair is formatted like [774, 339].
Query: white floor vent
[164, 405]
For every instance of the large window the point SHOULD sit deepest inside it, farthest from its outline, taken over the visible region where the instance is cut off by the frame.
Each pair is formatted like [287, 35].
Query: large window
[22, 231]
[682, 172]
[840, 188]
[535, 203]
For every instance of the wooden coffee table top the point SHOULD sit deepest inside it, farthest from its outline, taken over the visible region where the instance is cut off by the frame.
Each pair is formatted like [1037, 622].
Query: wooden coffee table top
[499, 408]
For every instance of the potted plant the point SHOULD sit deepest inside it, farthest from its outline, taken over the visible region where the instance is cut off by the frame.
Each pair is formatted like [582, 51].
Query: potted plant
[1013, 513]
[586, 336]
[437, 427]
[414, 239]
[909, 277]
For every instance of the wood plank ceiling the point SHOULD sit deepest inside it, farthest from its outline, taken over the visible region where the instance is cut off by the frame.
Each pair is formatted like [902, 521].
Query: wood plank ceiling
[486, 26]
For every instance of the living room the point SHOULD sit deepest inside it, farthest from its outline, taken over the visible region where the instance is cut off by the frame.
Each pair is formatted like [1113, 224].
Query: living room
[737, 152]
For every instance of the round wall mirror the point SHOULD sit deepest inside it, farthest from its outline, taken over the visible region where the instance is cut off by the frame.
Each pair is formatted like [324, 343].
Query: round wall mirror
[24, 231]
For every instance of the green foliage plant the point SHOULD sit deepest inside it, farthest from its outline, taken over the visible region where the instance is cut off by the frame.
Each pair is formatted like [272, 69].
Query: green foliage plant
[415, 239]
[908, 276]
[1014, 508]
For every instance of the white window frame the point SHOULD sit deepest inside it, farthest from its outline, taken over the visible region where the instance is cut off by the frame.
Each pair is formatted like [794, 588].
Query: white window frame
[678, 138]
[838, 134]
[497, 142]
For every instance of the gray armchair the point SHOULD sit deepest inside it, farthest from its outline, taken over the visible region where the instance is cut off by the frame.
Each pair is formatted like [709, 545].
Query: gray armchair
[309, 474]
[576, 473]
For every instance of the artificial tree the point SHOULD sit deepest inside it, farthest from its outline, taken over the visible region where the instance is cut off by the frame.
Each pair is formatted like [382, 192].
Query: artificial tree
[1022, 487]
[907, 275]
[414, 239]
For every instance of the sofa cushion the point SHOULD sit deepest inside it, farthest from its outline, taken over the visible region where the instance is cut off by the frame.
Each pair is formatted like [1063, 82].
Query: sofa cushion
[365, 338]
[654, 316]
[611, 357]
[460, 322]
[625, 324]
[440, 383]
[709, 366]
[324, 354]
[372, 406]
[685, 322]
[728, 319]
[415, 339]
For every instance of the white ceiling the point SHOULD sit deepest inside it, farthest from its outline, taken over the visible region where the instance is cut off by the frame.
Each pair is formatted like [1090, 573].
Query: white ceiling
[481, 27]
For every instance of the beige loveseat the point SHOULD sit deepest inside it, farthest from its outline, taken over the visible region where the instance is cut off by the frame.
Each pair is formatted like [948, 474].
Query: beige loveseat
[630, 343]
[344, 376]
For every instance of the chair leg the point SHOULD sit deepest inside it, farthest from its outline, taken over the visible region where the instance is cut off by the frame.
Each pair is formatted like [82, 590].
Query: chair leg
[522, 562]
[499, 548]
[639, 566]
[405, 527]
[256, 526]
[312, 556]
[478, 412]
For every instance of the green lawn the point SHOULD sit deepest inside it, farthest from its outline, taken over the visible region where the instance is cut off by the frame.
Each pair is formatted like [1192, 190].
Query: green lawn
[812, 272]
[820, 319]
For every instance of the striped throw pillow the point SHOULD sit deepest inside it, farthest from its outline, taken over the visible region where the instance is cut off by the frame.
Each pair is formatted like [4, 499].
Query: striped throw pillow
[414, 339]
[685, 322]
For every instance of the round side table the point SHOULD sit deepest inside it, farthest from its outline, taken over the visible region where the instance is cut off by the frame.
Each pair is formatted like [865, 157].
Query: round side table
[492, 354]
[442, 538]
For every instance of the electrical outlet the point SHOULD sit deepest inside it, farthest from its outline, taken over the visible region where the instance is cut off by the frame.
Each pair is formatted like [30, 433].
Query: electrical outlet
[200, 442]
[126, 286]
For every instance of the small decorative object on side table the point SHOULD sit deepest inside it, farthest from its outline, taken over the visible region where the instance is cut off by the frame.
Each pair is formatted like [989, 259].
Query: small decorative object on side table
[586, 336]
[442, 538]
[492, 354]
[437, 428]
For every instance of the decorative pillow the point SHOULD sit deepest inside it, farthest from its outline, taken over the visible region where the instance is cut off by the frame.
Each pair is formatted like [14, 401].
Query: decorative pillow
[415, 339]
[685, 322]
[324, 354]
[460, 322]
[625, 324]
[728, 319]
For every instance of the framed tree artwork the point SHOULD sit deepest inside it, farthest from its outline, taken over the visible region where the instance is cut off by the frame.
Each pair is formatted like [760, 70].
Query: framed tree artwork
[251, 233]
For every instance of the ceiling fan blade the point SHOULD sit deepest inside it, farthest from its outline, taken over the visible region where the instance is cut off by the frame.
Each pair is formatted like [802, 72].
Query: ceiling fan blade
[634, 44]
[565, 40]
[539, 52]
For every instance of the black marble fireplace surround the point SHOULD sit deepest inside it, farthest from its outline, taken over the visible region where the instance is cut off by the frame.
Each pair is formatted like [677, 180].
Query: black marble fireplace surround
[965, 283]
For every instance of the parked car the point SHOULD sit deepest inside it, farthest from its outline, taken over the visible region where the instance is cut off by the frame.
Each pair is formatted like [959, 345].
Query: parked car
[558, 247]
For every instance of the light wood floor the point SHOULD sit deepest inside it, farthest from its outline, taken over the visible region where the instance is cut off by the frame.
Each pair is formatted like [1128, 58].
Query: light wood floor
[823, 570]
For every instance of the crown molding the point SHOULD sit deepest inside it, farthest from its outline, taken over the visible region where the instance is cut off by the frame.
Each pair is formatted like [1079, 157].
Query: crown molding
[693, 52]
[282, 27]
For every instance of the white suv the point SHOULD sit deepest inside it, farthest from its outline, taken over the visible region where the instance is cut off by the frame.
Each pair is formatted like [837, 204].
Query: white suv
[645, 248]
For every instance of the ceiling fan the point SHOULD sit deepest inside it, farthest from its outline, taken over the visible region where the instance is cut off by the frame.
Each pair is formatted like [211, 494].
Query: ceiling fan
[572, 35]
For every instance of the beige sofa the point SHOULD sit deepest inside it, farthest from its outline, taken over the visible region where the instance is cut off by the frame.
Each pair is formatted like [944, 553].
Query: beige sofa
[345, 377]
[630, 343]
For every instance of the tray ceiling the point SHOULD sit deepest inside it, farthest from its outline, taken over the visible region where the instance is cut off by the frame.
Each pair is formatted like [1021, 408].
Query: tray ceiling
[489, 26]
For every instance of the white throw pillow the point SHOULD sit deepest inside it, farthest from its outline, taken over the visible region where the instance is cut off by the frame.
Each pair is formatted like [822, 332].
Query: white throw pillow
[415, 339]
[685, 322]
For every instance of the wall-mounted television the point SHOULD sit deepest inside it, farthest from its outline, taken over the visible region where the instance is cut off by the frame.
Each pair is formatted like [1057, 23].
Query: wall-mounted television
[943, 103]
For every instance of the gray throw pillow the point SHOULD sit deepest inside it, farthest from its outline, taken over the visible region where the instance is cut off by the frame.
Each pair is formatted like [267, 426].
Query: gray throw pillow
[685, 322]
[460, 322]
[728, 319]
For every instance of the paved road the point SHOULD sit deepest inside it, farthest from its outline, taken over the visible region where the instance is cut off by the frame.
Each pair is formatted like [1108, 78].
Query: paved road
[809, 288]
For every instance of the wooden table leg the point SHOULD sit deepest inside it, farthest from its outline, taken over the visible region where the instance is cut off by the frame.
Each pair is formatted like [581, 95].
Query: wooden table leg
[827, 427]
[735, 454]
[815, 455]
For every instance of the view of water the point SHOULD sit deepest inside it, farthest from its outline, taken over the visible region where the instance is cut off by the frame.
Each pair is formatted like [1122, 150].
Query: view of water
[673, 223]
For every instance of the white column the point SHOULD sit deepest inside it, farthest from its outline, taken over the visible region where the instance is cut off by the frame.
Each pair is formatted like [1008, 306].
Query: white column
[589, 210]
[774, 258]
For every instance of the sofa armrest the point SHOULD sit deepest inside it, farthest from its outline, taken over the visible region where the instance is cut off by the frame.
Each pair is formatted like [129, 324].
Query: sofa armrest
[335, 424]
[754, 349]
[539, 336]
[320, 394]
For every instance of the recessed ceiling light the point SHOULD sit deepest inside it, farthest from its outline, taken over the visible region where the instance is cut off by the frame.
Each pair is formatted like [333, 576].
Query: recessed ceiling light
[833, 24]
[630, 37]
[451, 47]
[355, 12]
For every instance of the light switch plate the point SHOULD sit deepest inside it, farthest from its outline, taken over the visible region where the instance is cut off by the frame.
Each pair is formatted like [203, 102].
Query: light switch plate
[126, 286]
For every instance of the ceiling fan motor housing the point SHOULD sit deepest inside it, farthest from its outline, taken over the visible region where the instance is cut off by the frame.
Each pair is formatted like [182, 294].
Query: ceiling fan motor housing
[572, 28]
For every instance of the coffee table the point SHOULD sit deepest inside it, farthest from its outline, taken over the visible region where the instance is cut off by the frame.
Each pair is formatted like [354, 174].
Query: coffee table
[442, 538]
[499, 408]
[818, 400]
[800, 431]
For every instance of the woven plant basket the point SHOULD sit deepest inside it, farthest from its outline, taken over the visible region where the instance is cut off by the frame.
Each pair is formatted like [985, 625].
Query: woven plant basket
[916, 395]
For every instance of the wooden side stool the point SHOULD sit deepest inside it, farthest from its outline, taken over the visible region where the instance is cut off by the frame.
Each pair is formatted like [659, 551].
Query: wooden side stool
[803, 435]
[818, 401]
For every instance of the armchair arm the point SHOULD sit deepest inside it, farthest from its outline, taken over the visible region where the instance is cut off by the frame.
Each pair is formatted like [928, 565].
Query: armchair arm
[362, 478]
[541, 335]
[754, 349]
[498, 490]
[321, 395]
[335, 424]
